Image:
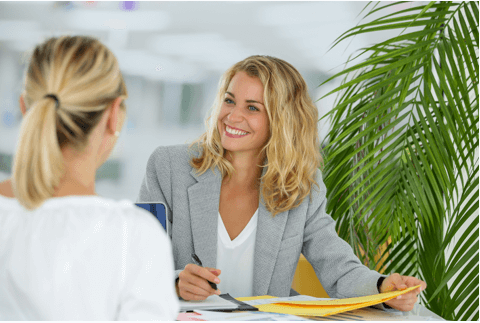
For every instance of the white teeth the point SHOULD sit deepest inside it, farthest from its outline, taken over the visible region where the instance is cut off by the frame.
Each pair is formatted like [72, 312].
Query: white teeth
[235, 131]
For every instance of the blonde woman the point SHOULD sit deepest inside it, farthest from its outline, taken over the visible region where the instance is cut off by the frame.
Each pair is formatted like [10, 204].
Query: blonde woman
[66, 253]
[247, 198]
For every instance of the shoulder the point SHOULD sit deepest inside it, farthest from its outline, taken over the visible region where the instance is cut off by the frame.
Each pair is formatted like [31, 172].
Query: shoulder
[321, 189]
[121, 215]
[137, 218]
[318, 195]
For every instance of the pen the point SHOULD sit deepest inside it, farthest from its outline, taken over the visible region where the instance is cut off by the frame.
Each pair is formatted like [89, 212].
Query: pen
[198, 262]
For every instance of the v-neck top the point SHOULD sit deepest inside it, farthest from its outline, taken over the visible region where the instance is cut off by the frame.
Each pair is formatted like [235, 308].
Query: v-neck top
[235, 258]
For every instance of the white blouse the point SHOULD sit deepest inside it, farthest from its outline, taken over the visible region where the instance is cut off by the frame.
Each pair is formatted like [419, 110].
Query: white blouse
[84, 258]
[235, 258]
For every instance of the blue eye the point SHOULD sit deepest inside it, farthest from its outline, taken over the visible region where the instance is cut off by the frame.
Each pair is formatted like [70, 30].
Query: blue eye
[252, 108]
[229, 101]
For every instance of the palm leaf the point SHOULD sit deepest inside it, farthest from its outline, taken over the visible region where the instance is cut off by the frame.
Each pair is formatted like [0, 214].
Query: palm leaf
[400, 156]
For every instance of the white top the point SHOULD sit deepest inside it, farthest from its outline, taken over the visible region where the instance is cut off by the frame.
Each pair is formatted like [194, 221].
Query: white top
[235, 258]
[84, 258]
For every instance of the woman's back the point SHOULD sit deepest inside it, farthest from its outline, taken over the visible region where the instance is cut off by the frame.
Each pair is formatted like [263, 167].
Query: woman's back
[83, 258]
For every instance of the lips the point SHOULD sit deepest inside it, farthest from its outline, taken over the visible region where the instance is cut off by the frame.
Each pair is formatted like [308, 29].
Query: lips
[234, 132]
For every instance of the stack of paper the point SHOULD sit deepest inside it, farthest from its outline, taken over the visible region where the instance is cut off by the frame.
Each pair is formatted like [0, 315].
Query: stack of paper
[329, 307]
[213, 302]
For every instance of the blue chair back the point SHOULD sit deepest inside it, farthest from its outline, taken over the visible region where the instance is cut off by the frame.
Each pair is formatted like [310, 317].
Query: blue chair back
[158, 210]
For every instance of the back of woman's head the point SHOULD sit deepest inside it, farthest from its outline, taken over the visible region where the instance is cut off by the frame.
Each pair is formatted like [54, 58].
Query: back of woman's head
[293, 149]
[69, 83]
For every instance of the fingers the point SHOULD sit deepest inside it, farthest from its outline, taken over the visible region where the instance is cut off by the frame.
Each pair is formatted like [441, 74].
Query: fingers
[203, 272]
[404, 302]
[193, 284]
[214, 271]
[393, 282]
[413, 281]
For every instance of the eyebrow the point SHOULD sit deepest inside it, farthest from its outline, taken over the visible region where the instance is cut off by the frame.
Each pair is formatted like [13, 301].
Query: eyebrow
[248, 101]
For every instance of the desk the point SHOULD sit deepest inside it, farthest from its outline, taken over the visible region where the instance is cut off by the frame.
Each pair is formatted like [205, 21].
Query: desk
[419, 313]
[422, 311]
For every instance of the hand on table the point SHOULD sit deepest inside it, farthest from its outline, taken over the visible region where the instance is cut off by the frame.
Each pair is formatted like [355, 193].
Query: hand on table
[193, 283]
[406, 301]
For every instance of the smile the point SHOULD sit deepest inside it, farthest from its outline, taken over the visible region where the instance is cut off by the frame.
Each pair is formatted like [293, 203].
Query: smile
[235, 132]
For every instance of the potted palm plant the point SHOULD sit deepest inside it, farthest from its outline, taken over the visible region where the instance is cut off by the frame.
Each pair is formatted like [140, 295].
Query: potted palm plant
[401, 158]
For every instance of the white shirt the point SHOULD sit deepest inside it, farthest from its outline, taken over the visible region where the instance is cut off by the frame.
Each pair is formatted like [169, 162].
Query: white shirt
[235, 258]
[84, 258]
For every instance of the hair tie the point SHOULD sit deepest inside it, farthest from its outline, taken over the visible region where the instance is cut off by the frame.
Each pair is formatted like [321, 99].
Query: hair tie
[53, 96]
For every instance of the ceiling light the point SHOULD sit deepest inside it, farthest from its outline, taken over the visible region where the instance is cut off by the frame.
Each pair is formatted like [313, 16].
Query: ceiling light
[117, 20]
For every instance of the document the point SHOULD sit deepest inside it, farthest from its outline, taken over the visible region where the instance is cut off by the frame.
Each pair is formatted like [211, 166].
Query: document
[325, 307]
[212, 302]
[246, 316]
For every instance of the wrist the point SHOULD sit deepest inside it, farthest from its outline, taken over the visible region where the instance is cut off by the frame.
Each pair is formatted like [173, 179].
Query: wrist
[379, 284]
[176, 287]
[379, 288]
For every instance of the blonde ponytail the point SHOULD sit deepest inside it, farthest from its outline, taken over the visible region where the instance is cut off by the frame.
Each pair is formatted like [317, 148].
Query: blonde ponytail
[69, 83]
[38, 164]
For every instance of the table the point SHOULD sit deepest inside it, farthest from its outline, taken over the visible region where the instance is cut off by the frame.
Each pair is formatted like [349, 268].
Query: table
[419, 313]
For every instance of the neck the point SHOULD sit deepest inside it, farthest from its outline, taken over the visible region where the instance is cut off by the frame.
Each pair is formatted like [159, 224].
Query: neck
[247, 168]
[79, 176]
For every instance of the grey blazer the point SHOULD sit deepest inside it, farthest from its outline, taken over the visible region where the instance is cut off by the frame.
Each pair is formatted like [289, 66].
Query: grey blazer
[192, 201]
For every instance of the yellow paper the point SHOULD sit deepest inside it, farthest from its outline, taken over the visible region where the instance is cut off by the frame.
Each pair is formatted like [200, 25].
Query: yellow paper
[329, 307]
[252, 298]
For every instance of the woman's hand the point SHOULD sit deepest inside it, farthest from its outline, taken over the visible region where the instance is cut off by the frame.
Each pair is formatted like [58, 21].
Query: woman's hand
[406, 301]
[193, 283]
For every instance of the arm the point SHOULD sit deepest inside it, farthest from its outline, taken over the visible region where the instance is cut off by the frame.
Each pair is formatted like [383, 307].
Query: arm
[338, 268]
[157, 183]
[148, 291]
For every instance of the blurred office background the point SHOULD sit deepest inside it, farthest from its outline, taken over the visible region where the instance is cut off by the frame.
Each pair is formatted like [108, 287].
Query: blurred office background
[172, 55]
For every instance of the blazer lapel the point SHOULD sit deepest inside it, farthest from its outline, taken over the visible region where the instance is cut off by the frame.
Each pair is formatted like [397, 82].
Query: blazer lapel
[267, 244]
[204, 197]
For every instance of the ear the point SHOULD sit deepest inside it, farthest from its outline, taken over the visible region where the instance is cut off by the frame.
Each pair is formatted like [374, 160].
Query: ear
[112, 121]
[23, 108]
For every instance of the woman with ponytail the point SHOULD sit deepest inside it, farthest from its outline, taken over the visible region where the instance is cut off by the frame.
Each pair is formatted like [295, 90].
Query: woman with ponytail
[66, 253]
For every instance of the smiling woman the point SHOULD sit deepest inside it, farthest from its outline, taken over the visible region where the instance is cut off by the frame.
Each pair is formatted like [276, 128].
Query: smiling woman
[243, 120]
[248, 197]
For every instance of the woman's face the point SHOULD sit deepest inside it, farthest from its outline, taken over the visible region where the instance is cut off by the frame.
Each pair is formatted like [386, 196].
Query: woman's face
[243, 121]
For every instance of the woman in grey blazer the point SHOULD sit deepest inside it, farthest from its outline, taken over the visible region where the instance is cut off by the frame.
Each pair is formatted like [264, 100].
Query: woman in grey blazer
[260, 152]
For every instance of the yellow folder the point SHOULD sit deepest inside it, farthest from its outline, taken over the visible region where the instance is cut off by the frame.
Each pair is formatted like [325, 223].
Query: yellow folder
[329, 307]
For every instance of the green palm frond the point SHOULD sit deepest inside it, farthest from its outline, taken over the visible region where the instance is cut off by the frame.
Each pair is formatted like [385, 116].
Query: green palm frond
[401, 165]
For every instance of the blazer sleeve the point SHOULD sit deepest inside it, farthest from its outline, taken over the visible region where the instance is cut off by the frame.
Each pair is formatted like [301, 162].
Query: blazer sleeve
[339, 270]
[157, 185]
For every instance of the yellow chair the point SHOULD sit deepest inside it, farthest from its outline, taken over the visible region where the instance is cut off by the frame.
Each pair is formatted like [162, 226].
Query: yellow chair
[305, 281]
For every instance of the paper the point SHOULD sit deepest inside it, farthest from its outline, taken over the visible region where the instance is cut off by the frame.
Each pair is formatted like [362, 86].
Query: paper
[328, 307]
[192, 316]
[247, 316]
[252, 298]
[271, 299]
[362, 314]
[212, 302]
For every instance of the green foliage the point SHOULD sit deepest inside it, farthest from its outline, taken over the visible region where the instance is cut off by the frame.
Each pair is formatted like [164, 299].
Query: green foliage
[401, 169]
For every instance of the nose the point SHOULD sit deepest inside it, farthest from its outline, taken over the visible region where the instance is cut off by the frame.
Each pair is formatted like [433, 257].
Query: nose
[235, 115]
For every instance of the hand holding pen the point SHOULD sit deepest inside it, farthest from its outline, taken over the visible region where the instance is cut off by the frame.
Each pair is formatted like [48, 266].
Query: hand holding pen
[196, 282]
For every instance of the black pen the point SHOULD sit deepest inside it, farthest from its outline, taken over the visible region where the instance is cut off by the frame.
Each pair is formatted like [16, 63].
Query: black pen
[198, 262]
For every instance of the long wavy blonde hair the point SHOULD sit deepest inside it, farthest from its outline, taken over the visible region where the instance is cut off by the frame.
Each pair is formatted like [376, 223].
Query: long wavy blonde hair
[84, 76]
[293, 149]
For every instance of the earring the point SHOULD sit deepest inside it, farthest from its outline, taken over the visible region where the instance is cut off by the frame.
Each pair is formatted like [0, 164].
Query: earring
[117, 133]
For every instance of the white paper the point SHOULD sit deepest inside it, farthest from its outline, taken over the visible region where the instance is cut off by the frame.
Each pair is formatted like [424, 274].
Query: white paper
[246, 316]
[212, 302]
